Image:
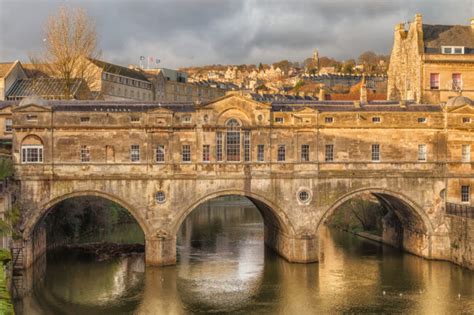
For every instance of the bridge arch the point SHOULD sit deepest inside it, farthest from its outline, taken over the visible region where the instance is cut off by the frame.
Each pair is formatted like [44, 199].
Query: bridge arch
[41, 212]
[417, 227]
[272, 214]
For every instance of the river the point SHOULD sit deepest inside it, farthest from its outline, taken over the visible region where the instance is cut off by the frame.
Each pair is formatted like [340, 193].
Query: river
[223, 266]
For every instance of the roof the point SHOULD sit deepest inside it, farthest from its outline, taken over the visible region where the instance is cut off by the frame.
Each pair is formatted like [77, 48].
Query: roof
[435, 36]
[5, 68]
[277, 106]
[119, 70]
[44, 87]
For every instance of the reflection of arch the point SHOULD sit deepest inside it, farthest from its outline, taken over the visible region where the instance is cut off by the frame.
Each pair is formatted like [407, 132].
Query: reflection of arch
[32, 140]
[271, 213]
[37, 216]
[408, 212]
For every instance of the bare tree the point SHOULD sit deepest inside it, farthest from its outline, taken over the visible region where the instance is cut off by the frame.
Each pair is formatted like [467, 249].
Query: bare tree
[70, 41]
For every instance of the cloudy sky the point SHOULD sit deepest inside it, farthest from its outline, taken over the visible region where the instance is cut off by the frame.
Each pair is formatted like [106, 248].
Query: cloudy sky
[197, 32]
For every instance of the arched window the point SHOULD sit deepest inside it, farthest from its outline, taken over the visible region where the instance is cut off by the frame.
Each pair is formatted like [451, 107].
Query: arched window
[233, 140]
[31, 150]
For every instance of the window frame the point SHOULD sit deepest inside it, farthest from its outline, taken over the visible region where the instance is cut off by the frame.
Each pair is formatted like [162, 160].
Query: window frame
[186, 153]
[85, 154]
[8, 125]
[422, 153]
[135, 153]
[281, 153]
[435, 84]
[160, 153]
[329, 152]
[466, 153]
[465, 193]
[305, 153]
[206, 153]
[375, 152]
[24, 153]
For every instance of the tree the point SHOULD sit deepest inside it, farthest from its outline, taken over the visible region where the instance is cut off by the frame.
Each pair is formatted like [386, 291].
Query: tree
[70, 40]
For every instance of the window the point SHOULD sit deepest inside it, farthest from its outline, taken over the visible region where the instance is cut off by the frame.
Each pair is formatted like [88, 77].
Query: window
[160, 153]
[134, 153]
[247, 146]
[434, 81]
[279, 120]
[85, 154]
[376, 119]
[375, 152]
[206, 152]
[466, 152]
[466, 120]
[187, 119]
[305, 152]
[328, 120]
[186, 153]
[303, 196]
[160, 197]
[422, 152]
[457, 82]
[85, 119]
[8, 125]
[457, 50]
[219, 146]
[32, 154]
[465, 193]
[329, 154]
[281, 153]
[135, 118]
[261, 153]
[421, 120]
[233, 140]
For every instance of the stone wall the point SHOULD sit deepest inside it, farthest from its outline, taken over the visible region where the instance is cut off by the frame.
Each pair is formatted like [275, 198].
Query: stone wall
[462, 241]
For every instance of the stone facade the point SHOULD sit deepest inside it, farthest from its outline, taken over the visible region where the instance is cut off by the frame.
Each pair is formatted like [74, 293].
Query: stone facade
[296, 163]
[422, 70]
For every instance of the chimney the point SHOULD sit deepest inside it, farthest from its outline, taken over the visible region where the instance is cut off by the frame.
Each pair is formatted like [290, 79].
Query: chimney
[322, 94]
[472, 24]
[363, 91]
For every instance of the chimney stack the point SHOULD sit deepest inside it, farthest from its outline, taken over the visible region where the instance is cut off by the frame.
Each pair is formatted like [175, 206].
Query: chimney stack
[322, 94]
[472, 24]
[363, 91]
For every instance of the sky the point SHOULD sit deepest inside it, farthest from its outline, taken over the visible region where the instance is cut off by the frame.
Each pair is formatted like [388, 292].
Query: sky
[183, 33]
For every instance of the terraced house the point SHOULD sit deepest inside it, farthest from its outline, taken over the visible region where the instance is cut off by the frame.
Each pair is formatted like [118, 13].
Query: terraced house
[431, 63]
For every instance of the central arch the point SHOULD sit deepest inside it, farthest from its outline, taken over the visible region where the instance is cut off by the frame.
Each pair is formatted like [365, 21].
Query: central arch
[271, 213]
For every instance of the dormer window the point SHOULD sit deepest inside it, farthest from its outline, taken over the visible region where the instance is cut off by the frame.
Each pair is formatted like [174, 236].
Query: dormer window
[452, 50]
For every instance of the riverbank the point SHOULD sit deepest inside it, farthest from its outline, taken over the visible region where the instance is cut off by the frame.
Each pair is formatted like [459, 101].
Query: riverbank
[6, 306]
[102, 251]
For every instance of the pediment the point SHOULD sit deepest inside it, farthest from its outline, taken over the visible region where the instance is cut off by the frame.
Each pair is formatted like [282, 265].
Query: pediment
[161, 110]
[6, 109]
[32, 108]
[463, 109]
[304, 111]
[236, 100]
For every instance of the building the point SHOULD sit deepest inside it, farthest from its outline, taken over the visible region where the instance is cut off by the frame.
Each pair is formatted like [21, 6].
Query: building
[10, 72]
[297, 161]
[49, 89]
[431, 63]
[117, 83]
[173, 86]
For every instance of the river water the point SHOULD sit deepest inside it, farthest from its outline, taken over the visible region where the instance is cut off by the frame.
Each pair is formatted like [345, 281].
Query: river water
[224, 267]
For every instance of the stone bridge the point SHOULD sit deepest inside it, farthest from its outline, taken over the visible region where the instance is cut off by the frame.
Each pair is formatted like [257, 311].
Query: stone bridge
[297, 162]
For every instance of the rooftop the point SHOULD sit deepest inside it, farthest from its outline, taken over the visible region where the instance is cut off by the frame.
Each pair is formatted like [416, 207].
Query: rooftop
[435, 36]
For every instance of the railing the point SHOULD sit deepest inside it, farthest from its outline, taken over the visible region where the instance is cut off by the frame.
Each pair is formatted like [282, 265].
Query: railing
[460, 210]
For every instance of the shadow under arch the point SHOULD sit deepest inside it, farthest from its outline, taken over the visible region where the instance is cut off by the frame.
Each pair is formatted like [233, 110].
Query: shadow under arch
[272, 214]
[403, 207]
[35, 219]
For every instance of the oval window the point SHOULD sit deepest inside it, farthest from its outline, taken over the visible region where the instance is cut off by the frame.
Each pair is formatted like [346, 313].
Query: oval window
[160, 197]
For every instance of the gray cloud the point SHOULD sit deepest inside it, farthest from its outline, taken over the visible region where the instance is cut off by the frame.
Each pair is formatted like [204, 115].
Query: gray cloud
[197, 32]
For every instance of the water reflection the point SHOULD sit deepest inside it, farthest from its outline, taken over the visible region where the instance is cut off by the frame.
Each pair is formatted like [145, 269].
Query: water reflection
[224, 266]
